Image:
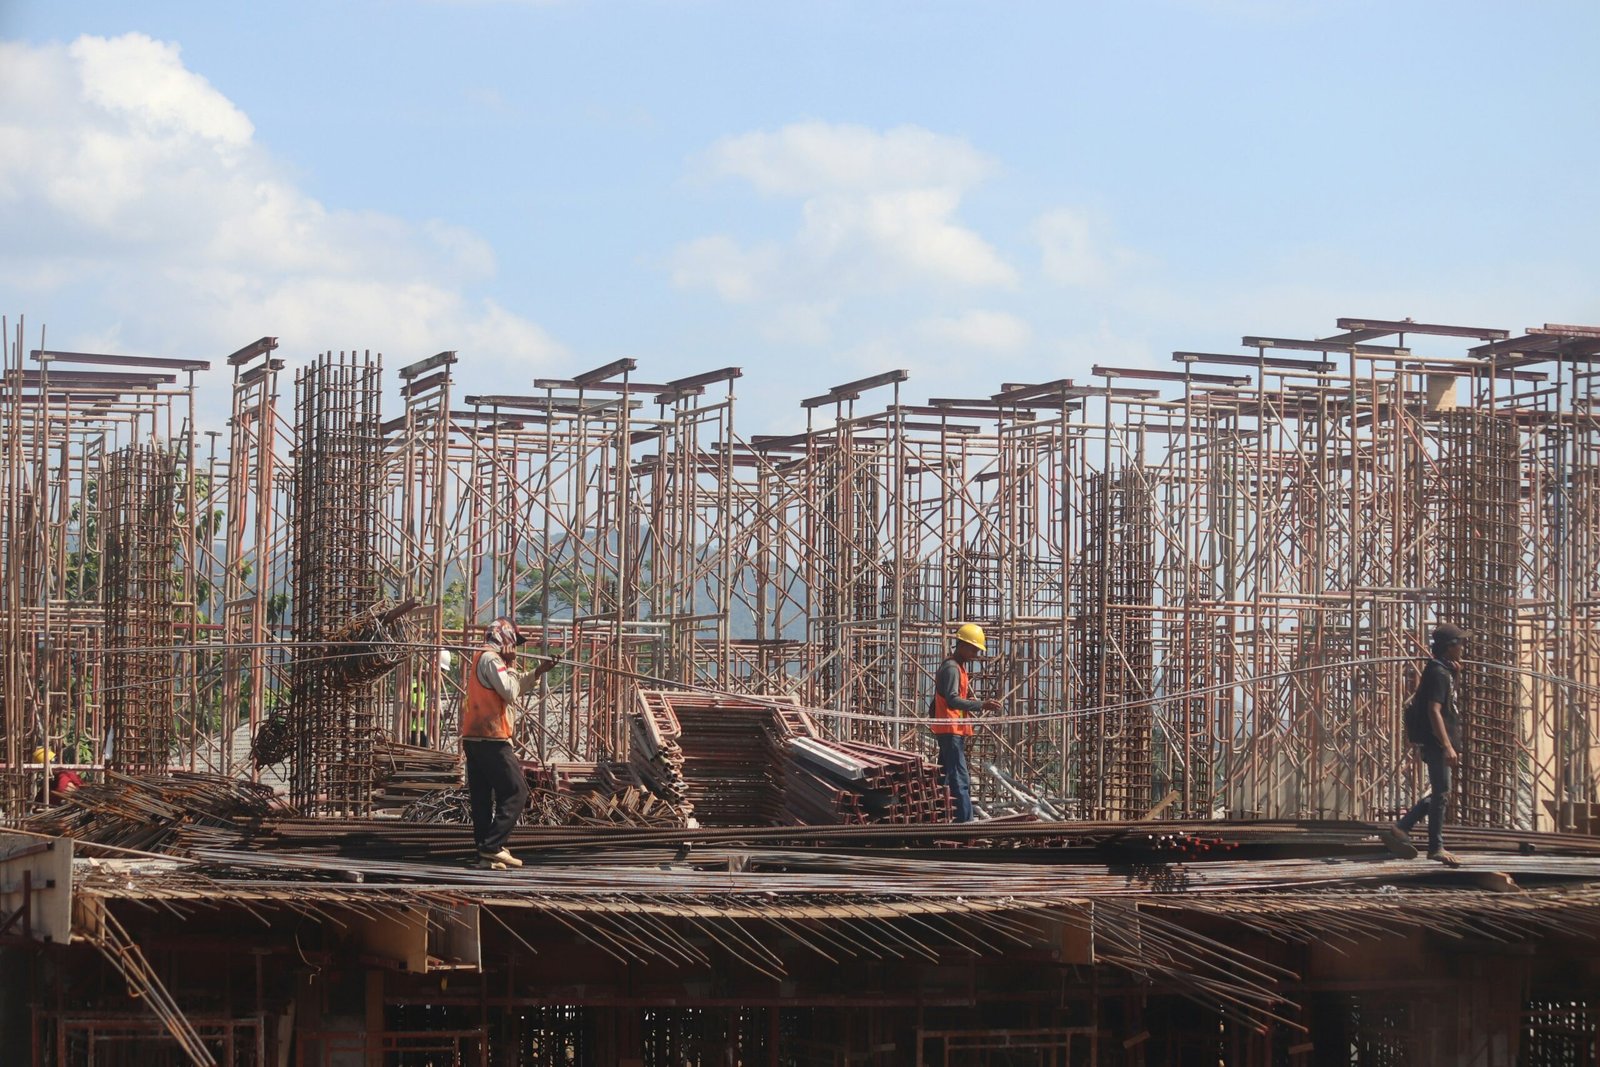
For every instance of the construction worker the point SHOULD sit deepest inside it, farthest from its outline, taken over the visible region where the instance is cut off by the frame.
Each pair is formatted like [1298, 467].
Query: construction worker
[62, 781]
[1433, 725]
[419, 713]
[418, 734]
[496, 786]
[951, 707]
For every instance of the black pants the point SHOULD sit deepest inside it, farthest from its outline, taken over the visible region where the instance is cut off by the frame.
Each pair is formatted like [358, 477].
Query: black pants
[1434, 804]
[498, 791]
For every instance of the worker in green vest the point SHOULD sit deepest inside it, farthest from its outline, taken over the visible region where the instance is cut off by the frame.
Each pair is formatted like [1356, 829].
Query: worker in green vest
[419, 713]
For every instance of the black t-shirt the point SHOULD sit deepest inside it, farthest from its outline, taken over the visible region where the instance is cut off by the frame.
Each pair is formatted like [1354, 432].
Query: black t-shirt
[1438, 685]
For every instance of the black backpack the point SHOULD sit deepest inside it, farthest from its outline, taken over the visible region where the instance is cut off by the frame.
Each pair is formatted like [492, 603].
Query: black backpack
[1418, 729]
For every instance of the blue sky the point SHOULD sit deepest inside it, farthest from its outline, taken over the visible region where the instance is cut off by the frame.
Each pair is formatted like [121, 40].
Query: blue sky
[978, 192]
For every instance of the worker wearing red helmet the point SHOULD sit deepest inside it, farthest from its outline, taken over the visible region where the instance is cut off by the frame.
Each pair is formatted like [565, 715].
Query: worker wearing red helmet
[952, 707]
[496, 786]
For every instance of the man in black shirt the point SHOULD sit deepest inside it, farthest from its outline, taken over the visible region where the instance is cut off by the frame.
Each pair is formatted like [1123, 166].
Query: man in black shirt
[1435, 703]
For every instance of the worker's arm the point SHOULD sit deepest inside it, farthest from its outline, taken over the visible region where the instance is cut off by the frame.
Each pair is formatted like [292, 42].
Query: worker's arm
[526, 680]
[947, 683]
[1436, 716]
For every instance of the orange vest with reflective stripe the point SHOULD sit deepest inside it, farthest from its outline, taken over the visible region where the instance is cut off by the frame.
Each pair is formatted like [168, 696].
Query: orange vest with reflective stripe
[486, 714]
[948, 720]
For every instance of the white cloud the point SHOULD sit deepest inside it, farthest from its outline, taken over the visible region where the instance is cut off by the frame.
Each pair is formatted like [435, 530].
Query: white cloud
[718, 263]
[811, 158]
[907, 232]
[877, 214]
[993, 330]
[1073, 252]
[145, 80]
[132, 183]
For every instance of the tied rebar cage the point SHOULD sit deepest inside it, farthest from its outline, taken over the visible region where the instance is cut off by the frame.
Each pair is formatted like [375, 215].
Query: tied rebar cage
[1113, 651]
[139, 524]
[338, 469]
[1479, 507]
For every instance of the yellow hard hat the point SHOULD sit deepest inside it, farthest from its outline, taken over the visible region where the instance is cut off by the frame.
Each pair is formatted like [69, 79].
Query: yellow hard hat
[972, 634]
[40, 755]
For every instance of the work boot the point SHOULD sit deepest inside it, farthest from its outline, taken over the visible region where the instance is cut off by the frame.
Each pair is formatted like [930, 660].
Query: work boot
[503, 857]
[489, 863]
[1449, 859]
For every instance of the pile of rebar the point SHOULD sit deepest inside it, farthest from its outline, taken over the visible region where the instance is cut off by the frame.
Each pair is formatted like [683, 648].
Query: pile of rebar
[407, 775]
[604, 793]
[146, 812]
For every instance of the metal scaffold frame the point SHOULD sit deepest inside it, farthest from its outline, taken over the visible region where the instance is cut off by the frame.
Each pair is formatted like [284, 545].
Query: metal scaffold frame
[1207, 588]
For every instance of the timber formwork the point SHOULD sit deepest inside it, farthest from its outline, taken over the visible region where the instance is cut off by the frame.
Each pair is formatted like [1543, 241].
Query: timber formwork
[1207, 586]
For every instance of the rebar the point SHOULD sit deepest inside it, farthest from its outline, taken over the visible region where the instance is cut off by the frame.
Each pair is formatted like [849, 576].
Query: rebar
[139, 525]
[1216, 580]
[334, 716]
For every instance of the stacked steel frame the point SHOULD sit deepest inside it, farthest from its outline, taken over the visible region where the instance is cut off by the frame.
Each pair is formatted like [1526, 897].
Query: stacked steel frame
[338, 467]
[139, 525]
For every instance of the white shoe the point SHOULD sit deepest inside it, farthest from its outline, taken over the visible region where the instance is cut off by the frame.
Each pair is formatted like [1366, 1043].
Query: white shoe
[504, 858]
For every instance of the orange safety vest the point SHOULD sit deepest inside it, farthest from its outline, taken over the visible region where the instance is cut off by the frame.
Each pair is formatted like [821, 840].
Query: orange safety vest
[948, 720]
[486, 713]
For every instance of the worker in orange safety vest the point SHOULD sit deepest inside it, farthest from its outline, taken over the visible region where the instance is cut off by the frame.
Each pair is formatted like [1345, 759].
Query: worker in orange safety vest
[496, 785]
[951, 708]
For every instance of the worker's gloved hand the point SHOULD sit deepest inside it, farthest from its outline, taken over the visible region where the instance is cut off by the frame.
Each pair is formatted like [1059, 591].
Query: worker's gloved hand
[991, 706]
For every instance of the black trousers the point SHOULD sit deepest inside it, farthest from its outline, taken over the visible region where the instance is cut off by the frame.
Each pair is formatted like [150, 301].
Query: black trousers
[498, 790]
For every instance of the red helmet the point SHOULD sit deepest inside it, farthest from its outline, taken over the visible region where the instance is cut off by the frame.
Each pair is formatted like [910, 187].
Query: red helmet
[503, 634]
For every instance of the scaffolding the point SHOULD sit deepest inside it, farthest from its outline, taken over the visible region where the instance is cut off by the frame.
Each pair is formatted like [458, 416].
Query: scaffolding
[1211, 583]
[98, 566]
